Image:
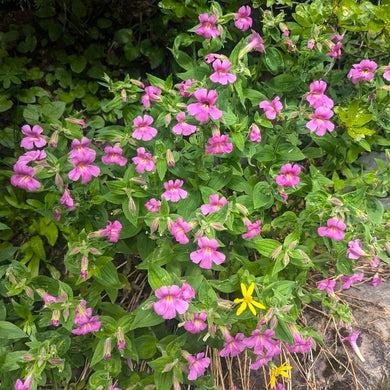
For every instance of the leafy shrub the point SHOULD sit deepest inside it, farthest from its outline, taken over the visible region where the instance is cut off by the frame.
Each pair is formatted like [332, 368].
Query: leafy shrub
[191, 213]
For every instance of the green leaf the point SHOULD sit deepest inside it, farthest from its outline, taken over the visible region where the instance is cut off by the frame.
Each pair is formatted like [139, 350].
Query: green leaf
[283, 83]
[9, 331]
[158, 277]
[145, 346]
[267, 246]
[262, 196]
[98, 352]
[273, 60]
[145, 316]
[375, 210]
[288, 152]
[5, 104]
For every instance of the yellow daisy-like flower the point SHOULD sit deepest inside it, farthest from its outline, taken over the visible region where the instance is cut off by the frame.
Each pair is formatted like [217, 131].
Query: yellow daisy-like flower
[279, 371]
[247, 300]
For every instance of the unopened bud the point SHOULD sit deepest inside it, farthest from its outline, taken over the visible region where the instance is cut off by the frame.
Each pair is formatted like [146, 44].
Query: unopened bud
[75, 250]
[198, 234]
[169, 366]
[275, 254]
[59, 181]
[217, 226]
[95, 251]
[121, 339]
[57, 214]
[292, 245]
[55, 361]
[137, 83]
[28, 357]
[132, 206]
[107, 349]
[170, 158]
[55, 318]
[273, 323]
[84, 267]
[65, 314]
[169, 223]
[154, 225]
[76, 121]
[286, 259]
[335, 201]
[167, 119]
[215, 130]
[123, 95]
[139, 180]
[304, 255]
[242, 209]
[181, 105]
[29, 292]
[54, 139]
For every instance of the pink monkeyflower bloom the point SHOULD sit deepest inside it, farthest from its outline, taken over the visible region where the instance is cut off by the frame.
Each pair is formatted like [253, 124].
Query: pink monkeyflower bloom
[289, 176]
[328, 285]
[187, 292]
[319, 121]
[153, 205]
[198, 365]
[233, 345]
[183, 86]
[253, 229]
[221, 74]
[335, 50]
[219, 144]
[67, 200]
[174, 192]
[262, 359]
[242, 18]
[24, 177]
[364, 70]
[271, 109]
[182, 127]
[26, 385]
[114, 156]
[112, 230]
[316, 97]
[286, 33]
[197, 324]
[170, 302]
[386, 75]
[143, 161]
[348, 281]
[84, 169]
[333, 230]
[33, 137]
[376, 280]
[107, 349]
[207, 27]
[310, 44]
[300, 344]
[215, 204]
[142, 129]
[57, 214]
[255, 42]
[254, 134]
[263, 343]
[47, 298]
[84, 320]
[211, 57]
[179, 230]
[33, 155]
[80, 150]
[355, 249]
[205, 105]
[151, 93]
[375, 262]
[352, 340]
[207, 254]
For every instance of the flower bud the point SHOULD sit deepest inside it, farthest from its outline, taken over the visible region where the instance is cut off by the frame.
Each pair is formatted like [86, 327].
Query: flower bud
[275, 254]
[132, 206]
[123, 95]
[75, 251]
[170, 158]
[242, 209]
[57, 214]
[28, 357]
[217, 226]
[215, 130]
[29, 292]
[65, 314]
[59, 182]
[84, 267]
[167, 119]
[335, 201]
[154, 225]
[107, 349]
[54, 139]
[95, 251]
[286, 259]
[139, 180]
[55, 318]
[121, 339]
[137, 83]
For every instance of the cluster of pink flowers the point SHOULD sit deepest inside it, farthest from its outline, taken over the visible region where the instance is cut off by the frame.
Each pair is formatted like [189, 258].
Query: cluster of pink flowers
[335, 46]
[322, 105]
[207, 253]
[173, 299]
[363, 71]
[82, 157]
[272, 108]
[151, 93]
[84, 320]
[184, 86]
[334, 229]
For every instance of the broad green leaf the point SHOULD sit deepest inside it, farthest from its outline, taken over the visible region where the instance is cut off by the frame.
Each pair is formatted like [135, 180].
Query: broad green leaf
[262, 196]
[9, 331]
[375, 210]
[158, 277]
[267, 246]
[145, 316]
[145, 346]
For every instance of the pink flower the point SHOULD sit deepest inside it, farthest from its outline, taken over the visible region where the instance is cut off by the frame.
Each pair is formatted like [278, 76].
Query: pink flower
[47, 298]
[205, 105]
[336, 45]
[207, 28]
[112, 230]
[142, 129]
[253, 229]
[84, 169]
[355, 249]
[143, 161]
[271, 108]
[255, 43]
[114, 156]
[221, 74]
[24, 177]
[233, 345]
[319, 121]
[263, 342]
[242, 19]
[67, 200]
[207, 254]
[33, 137]
[219, 144]
[33, 155]
[153, 205]
[183, 86]
[364, 70]
[183, 127]
[348, 281]
[352, 340]
[254, 134]
[170, 302]
[215, 204]
[376, 280]
[316, 97]
[197, 324]
[84, 320]
[310, 44]
[300, 344]
[328, 285]
[334, 229]
[198, 365]
[279, 386]
[80, 150]
[211, 57]
[20, 385]
[187, 292]
[174, 192]
[179, 230]
[111, 387]
[375, 262]
[151, 93]
[262, 359]
[289, 176]
[386, 75]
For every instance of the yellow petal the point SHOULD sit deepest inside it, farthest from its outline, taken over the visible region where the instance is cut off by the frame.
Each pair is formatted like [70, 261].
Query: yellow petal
[238, 300]
[251, 288]
[241, 308]
[252, 309]
[258, 304]
[285, 374]
[243, 289]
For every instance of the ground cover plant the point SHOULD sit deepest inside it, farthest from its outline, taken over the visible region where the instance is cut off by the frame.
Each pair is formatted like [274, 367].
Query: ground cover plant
[153, 221]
